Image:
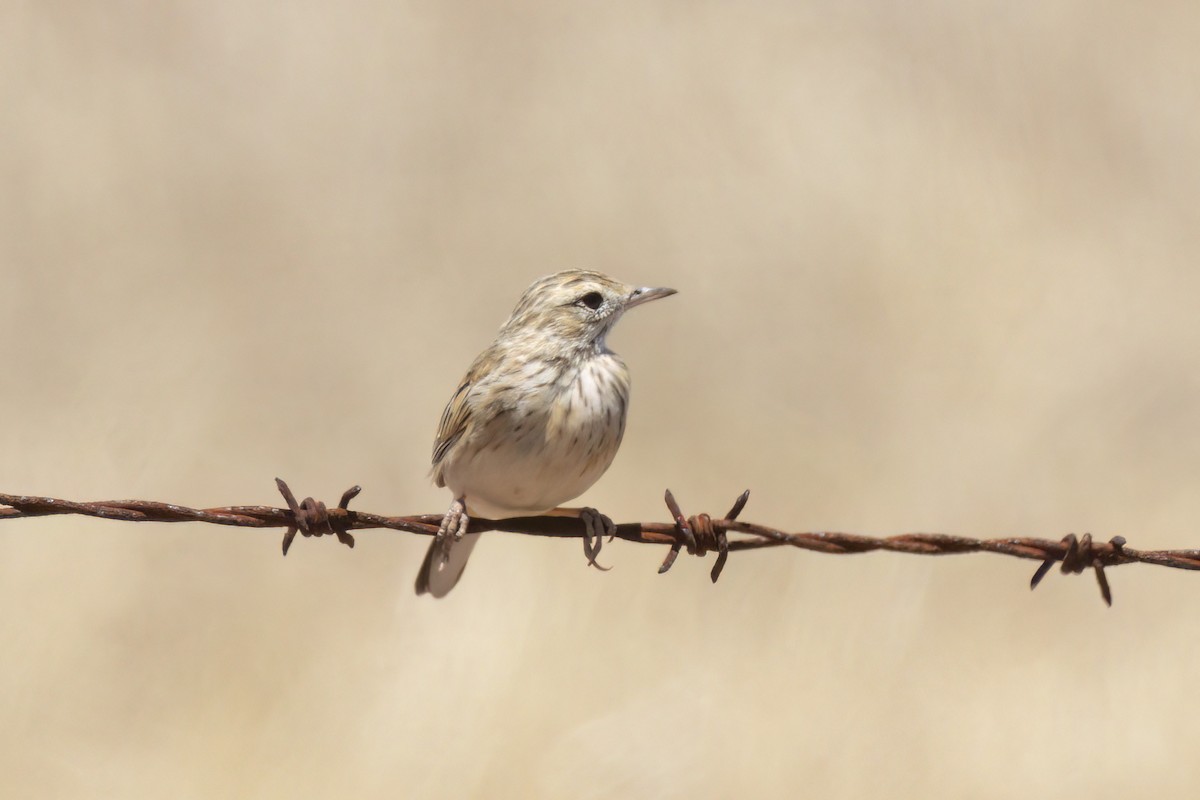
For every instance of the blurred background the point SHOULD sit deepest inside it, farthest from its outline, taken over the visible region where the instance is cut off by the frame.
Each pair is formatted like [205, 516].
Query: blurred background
[937, 271]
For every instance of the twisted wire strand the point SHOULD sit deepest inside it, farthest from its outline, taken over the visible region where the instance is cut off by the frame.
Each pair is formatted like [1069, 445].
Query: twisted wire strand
[698, 534]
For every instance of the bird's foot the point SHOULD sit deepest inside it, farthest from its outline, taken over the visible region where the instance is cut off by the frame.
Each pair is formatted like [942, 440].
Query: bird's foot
[596, 527]
[453, 526]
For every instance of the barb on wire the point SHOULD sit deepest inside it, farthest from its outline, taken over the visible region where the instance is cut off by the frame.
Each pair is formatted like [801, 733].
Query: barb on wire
[697, 534]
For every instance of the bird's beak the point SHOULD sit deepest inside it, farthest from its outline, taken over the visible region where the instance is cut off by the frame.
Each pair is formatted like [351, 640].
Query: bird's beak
[645, 295]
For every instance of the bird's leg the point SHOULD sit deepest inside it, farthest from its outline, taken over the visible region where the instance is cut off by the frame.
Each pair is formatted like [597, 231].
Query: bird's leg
[453, 526]
[595, 527]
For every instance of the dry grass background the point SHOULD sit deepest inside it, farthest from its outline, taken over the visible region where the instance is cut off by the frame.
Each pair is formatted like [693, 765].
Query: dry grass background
[937, 265]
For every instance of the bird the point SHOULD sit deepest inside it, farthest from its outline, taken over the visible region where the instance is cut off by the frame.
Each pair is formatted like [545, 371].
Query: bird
[537, 419]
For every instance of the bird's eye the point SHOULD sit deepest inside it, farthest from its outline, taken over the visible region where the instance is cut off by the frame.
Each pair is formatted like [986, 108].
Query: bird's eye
[592, 300]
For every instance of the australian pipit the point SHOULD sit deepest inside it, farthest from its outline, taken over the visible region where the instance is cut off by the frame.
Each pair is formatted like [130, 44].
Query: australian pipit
[538, 417]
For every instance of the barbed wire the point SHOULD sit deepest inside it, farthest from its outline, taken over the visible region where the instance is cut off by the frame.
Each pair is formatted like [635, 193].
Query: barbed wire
[699, 534]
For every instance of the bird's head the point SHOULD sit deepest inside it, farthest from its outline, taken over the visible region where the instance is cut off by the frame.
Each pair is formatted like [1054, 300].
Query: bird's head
[576, 308]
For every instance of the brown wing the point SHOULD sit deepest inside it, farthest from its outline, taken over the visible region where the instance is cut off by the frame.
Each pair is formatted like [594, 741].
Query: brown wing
[455, 419]
[454, 422]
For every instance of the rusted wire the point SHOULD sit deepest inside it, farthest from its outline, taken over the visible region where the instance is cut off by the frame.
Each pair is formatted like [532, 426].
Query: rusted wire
[697, 534]
[311, 517]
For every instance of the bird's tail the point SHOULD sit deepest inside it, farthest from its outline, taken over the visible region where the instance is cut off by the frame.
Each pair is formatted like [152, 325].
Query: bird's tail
[437, 576]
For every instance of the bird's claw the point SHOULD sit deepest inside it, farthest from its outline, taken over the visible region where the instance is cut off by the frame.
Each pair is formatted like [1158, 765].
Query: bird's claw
[596, 527]
[453, 526]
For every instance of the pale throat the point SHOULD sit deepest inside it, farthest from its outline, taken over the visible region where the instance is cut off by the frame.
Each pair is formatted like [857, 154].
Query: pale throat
[574, 345]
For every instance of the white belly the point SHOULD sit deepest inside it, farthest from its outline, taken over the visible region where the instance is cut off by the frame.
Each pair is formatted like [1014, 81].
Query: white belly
[546, 450]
